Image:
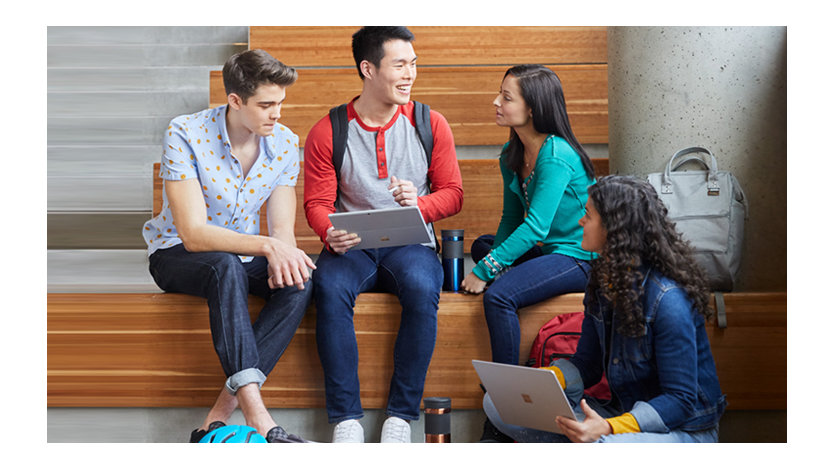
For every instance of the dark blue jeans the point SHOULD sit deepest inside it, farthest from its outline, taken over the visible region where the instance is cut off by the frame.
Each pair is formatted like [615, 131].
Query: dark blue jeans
[534, 277]
[247, 351]
[411, 272]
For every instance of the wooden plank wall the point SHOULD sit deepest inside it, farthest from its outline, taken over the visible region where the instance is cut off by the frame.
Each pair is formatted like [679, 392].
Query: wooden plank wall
[138, 350]
[155, 349]
[460, 71]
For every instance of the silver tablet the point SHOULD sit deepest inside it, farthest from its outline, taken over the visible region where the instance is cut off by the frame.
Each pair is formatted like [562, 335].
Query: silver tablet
[382, 228]
[525, 396]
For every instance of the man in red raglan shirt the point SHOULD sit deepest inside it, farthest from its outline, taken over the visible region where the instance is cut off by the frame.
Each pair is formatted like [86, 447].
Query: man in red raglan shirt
[384, 165]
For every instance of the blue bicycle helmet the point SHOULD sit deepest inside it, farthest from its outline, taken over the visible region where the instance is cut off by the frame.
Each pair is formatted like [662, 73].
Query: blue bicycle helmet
[233, 434]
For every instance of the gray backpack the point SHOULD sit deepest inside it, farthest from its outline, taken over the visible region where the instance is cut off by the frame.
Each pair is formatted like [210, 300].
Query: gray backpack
[708, 208]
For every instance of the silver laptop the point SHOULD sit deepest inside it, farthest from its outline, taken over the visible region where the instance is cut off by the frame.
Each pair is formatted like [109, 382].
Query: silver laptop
[382, 228]
[525, 396]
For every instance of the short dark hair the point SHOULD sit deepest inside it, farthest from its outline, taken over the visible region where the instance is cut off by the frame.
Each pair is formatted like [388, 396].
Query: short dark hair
[245, 71]
[368, 43]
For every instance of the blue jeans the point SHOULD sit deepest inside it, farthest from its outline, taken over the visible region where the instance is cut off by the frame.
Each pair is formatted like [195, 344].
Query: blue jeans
[414, 274]
[522, 434]
[247, 351]
[534, 277]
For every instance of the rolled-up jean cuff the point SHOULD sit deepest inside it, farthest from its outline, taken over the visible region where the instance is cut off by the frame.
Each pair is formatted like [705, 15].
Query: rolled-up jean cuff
[245, 377]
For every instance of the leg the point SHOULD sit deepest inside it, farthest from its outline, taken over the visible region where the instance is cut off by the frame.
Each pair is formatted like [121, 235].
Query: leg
[481, 246]
[221, 279]
[274, 328]
[530, 282]
[518, 433]
[278, 320]
[484, 243]
[413, 273]
[708, 436]
[222, 410]
[522, 434]
[337, 280]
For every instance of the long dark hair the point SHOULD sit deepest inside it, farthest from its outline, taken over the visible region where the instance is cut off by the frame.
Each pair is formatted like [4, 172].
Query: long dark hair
[639, 235]
[542, 91]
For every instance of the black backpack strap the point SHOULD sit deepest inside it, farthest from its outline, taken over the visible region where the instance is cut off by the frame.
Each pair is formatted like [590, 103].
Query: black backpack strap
[422, 118]
[339, 124]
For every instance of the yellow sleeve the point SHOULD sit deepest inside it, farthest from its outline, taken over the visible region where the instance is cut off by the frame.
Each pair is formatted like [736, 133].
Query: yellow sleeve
[623, 424]
[559, 374]
[620, 424]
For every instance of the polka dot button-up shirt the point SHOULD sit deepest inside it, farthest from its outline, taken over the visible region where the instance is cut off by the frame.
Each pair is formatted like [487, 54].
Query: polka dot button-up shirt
[197, 146]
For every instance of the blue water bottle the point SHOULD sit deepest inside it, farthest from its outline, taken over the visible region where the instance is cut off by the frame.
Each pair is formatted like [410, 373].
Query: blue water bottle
[452, 259]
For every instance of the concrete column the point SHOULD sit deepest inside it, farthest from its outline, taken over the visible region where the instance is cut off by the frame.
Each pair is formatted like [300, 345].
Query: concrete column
[723, 88]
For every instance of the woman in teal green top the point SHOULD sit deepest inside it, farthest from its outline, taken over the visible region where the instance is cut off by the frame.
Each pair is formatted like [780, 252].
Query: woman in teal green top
[536, 252]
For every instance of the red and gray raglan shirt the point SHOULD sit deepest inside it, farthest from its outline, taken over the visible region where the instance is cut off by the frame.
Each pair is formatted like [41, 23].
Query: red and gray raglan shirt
[373, 155]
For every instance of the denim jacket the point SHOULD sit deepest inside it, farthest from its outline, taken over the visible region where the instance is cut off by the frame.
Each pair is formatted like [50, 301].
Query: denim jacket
[666, 378]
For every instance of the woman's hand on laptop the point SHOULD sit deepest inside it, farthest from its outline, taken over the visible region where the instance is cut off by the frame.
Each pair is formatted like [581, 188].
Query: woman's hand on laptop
[340, 241]
[404, 191]
[590, 430]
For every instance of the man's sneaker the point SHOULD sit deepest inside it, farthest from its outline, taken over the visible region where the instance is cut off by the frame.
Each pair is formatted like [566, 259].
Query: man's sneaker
[198, 434]
[349, 431]
[278, 435]
[396, 431]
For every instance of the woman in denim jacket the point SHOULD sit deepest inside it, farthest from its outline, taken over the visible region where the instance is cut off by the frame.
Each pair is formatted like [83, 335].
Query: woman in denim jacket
[645, 308]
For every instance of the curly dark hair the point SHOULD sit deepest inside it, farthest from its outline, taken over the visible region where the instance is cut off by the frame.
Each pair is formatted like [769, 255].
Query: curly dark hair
[639, 234]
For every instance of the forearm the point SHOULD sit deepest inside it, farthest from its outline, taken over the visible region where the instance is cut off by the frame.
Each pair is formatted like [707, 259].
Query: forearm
[441, 203]
[446, 197]
[285, 235]
[512, 211]
[287, 264]
[207, 237]
[317, 218]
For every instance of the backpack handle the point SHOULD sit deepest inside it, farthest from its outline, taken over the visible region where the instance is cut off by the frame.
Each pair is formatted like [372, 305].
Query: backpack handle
[713, 188]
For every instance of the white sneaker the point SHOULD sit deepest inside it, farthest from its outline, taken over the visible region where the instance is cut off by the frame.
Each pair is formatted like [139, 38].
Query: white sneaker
[349, 431]
[396, 431]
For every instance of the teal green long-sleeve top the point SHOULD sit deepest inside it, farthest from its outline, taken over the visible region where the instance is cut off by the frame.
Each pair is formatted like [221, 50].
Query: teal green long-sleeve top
[557, 190]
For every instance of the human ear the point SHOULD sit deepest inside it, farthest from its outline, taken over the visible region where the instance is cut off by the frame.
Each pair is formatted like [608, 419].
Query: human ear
[366, 68]
[235, 101]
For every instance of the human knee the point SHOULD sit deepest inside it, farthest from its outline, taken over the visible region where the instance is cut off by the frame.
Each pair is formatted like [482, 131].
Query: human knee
[329, 293]
[494, 299]
[423, 284]
[307, 292]
[224, 265]
[480, 247]
[298, 297]
[424, 280]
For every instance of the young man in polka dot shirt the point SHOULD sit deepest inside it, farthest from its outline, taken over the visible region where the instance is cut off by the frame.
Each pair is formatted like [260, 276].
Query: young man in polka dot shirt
[220, 168]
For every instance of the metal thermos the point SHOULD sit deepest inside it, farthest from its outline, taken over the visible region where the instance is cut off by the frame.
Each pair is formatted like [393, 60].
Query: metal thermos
[437, 412]
[452, 259]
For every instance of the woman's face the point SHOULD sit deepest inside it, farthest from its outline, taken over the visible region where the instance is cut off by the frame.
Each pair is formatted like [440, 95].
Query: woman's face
[593, 232]
[510, 108]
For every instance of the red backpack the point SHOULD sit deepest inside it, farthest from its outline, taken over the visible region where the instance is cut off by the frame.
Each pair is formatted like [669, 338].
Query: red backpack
[557, 339]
